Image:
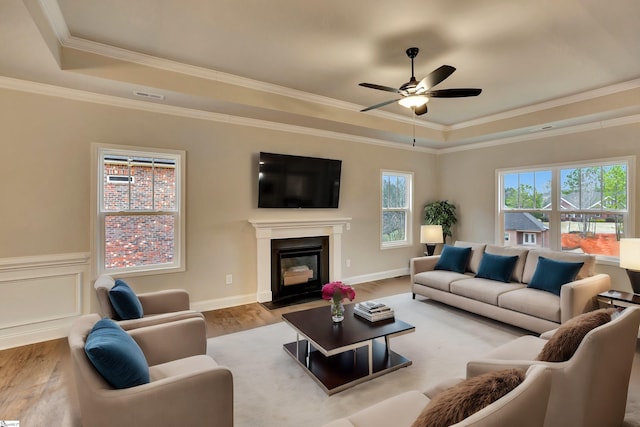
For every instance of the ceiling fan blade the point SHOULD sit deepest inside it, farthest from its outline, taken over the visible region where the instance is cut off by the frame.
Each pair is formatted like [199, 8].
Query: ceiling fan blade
[382, 104]
[379, 87]
[420, 110]
[435, 77]
[453, 93]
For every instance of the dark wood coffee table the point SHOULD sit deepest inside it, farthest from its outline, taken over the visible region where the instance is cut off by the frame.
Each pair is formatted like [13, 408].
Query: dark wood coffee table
[340, 355]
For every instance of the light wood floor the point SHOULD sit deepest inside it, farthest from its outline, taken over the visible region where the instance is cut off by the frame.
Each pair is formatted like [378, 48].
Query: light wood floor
[34, 384]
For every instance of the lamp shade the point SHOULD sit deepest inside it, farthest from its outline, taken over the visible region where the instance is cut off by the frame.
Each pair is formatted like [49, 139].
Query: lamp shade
[431, 234]
[630, 254]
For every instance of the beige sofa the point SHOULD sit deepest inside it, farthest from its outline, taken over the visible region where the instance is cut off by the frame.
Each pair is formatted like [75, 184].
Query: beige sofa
[524, 406]
[512, 302]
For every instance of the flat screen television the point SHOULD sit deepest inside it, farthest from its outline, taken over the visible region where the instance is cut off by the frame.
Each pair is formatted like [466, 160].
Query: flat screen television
[286, 181]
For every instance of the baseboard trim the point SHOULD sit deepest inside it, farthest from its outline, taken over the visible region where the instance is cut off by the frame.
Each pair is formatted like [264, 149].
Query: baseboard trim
[389, 274]
[215, 304]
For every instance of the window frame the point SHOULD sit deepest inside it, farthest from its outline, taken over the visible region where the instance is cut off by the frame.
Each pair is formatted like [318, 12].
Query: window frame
[555, 211]
[408, 210]
[98, 215]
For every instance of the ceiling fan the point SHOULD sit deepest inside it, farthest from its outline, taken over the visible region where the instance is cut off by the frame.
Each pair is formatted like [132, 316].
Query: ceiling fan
[415, 95]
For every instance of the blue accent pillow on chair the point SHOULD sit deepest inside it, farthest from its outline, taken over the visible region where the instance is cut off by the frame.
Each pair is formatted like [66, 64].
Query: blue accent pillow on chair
[125, 302]
[453, 258]
[497, 267]
[550, 274]
[115, 355]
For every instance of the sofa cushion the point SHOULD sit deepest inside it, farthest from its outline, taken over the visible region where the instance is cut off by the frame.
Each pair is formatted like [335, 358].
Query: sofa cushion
[550, 274]
[453, 259]
[125, 302]
[587, 270]
[483, 290]
[468, 397]
[533, 302]
[477, 250]
[440, 279]
[115, 355]
[565, 341]
[497, 267]
[521, 253]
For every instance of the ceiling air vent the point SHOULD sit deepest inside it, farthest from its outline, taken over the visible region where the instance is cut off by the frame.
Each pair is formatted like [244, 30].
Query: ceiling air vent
[148, 95]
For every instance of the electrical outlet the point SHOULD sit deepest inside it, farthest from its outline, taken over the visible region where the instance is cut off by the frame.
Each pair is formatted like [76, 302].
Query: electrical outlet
[348, 263]
[229, 279]
[348, 226]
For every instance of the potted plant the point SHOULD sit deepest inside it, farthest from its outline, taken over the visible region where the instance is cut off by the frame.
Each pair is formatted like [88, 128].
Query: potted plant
[441, 213]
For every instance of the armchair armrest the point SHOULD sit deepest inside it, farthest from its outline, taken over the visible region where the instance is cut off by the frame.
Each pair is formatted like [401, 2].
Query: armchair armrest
[158, 319]
[436, 389]
[482, 366]
[580, 296]
[172, 340]
[202, 395]
[423, 263]
[164, 301]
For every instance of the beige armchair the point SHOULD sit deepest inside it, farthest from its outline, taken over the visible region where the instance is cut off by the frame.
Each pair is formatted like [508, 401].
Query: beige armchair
[158, 307]
[588, 390]
[524, 406]
[186, 386]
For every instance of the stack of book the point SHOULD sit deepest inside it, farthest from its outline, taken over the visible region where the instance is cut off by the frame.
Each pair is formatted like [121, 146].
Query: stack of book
[373, 311]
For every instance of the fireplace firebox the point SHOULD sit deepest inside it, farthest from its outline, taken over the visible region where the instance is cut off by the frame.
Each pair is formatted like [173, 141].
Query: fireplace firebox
[299, 268]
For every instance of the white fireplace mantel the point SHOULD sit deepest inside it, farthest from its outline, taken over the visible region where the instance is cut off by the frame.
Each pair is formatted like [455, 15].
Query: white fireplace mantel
[267, 230]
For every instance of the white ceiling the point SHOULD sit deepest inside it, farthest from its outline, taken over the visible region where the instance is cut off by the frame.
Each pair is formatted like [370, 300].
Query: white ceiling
[302, 60]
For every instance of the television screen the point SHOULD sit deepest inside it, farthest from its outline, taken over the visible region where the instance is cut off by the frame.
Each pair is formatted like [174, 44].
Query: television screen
[298, 182]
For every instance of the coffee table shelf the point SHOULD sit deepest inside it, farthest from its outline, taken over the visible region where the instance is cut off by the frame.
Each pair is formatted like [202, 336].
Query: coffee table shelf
[339, 356]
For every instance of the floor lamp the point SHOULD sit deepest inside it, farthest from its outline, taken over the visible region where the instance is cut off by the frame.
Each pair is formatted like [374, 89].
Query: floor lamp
[431, 235]
[630, 260]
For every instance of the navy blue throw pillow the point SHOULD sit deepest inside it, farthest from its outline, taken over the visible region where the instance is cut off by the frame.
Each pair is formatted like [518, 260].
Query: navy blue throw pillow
[550, 274]
[497, 267]
[115, 355]
[453, 258]
[125, 302]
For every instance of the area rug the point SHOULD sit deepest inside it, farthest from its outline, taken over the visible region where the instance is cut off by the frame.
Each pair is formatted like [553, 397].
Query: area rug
[272, 390]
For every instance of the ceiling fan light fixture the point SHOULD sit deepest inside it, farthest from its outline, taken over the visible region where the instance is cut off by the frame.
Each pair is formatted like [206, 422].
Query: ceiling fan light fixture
[413, 101]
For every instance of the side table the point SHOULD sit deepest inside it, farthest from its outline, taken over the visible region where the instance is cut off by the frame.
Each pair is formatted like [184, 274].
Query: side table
[619, 299]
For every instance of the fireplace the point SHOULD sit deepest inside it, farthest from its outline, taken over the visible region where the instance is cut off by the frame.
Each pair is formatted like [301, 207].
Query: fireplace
[269, 230]
[299, 267]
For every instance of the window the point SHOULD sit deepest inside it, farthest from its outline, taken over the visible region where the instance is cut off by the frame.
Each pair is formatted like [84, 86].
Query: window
[140, 219]
[529, 238]
[396, 190]
[574, 207]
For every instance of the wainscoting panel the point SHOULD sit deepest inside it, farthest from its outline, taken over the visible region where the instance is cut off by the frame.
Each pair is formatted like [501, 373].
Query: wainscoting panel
[40, 296]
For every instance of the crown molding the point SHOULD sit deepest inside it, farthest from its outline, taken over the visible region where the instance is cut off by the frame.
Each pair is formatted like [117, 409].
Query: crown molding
[585, 127]
[114, 101]
[54, 15]
[559, 102]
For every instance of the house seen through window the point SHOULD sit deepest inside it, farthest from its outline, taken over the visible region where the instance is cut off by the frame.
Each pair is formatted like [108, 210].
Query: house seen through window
[139, 211]
[396, 196]
[578, 208]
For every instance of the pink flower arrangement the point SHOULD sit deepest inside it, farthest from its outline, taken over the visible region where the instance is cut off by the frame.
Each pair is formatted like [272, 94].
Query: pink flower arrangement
[338, 291]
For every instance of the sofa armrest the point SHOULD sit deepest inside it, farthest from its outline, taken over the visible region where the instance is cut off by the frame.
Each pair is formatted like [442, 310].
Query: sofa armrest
[172, 340]
[423, 263]
[580, 296]
[164, 301]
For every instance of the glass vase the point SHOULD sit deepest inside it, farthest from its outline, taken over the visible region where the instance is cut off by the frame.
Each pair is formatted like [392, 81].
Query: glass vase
[337, 311]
